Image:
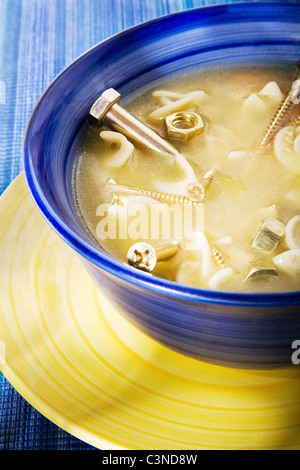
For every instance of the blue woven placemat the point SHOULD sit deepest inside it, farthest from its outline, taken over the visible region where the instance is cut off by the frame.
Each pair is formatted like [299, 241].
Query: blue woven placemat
[38, 38]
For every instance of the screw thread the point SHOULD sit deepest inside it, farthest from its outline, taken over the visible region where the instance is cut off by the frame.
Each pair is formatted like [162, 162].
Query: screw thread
[207, 178]
[281, 112]
[277, 119]
[167, 197]
[161, 196]
[219, 257]
[295, 122]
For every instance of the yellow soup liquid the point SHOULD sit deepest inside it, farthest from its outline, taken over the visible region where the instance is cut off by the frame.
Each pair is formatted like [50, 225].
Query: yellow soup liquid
[250, 187]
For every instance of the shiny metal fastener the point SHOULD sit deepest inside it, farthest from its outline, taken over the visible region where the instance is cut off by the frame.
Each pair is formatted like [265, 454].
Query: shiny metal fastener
[295, 122]
[144, 257]
[269, 236]
[291, 99]
[184, 125]
[261, 268]
[196, 191]
[106, 111]
[219, 258]
[158, 195]
[216, 252]
[115, 199]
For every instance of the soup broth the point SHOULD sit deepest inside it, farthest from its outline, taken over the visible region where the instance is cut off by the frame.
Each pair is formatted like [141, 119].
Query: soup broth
[252, 200]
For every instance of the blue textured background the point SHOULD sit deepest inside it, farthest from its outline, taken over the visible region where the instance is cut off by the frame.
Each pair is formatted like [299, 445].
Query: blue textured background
[38, 38]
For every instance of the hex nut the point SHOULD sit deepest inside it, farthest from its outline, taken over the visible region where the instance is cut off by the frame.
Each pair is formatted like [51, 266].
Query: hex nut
[184, 125]
[101, 107]
[261, 268]
[269, 236]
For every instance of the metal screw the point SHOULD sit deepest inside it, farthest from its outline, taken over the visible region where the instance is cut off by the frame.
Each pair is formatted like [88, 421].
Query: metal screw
[290, 100]
[160, 196]
[295, 122]
[196, 191]
[115, 199]
[217, 255]
[219, 258]
[106, 111]
[145, 257]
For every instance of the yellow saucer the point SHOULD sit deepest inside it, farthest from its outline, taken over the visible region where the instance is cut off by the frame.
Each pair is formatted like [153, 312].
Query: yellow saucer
[70, 354]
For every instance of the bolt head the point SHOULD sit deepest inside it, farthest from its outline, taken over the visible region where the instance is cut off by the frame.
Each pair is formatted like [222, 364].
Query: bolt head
[142, 256]
[101, 107]
[195, 191]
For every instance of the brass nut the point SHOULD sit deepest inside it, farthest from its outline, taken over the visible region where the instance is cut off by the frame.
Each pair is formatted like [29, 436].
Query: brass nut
[184, 125]
[269, 236]
[261, 268]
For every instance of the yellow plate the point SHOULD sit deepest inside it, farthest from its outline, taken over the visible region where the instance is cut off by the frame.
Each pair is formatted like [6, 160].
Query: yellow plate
[70, 354]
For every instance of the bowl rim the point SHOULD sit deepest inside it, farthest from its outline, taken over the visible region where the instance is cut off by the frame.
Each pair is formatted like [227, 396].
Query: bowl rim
[112, 265]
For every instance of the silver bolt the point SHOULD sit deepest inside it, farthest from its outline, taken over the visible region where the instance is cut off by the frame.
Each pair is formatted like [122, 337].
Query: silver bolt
[106, 111]
[145, 257]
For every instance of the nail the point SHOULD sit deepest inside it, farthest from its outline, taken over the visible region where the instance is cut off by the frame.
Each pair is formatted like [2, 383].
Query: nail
[145, 257]
[107, 111]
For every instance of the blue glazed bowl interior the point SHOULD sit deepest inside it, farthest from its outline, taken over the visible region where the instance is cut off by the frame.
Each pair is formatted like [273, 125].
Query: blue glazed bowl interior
[248, 33]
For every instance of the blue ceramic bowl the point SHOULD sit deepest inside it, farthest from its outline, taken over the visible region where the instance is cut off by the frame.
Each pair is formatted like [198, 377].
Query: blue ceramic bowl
[232, 329]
